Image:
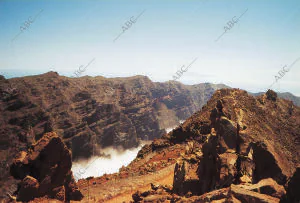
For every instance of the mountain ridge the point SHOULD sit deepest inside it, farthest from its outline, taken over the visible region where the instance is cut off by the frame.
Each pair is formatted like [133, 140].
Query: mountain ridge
[96, 111]
[90, 113]
[237, 148]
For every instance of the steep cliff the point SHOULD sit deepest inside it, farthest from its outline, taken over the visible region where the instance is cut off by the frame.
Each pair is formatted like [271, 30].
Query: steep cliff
[90, 113]
[238, 148]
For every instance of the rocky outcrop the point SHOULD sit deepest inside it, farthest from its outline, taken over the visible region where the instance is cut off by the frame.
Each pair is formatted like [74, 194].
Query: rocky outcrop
[238, 148]
[226, 158]
[242, 158]
[45, 170]
[271, 95]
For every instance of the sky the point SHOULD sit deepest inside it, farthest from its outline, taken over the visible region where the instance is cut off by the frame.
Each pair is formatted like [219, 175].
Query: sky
[242, 44]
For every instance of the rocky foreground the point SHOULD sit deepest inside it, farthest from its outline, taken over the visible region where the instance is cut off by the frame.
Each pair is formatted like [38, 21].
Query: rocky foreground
[45, 171]
[235, 153]
[238, 148]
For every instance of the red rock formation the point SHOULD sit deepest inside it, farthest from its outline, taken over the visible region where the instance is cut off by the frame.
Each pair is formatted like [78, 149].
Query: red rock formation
[238, 148]
[240, 152]
[45, 170]
[97, 111]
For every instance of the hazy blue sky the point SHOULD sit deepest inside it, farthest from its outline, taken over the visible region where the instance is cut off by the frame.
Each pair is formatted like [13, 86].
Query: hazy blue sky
[169, 34]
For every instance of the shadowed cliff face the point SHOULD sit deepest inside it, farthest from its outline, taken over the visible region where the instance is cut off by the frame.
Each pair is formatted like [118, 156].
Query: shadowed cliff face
[90, 113]
[94, 112]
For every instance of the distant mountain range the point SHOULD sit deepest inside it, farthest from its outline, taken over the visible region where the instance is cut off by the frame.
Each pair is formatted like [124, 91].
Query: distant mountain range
[90, 113]
[283, 95]
[97, 111]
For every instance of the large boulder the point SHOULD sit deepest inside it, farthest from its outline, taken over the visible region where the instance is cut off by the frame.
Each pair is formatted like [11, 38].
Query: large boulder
[45, 170]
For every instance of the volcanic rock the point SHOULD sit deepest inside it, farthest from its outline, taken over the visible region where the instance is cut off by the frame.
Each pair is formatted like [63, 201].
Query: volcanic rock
[249, 153]
[102, 112]
[45, 170]
[91, 113]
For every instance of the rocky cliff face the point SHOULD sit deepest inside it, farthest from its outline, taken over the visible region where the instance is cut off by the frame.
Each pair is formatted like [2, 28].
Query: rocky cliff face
[95, 110]
[238, 149]
[91, 112]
